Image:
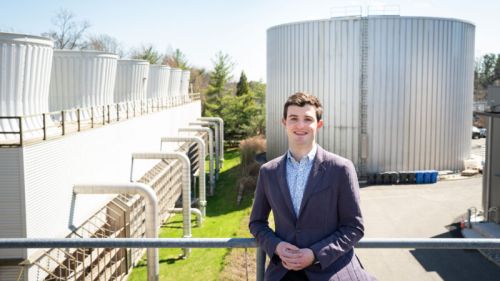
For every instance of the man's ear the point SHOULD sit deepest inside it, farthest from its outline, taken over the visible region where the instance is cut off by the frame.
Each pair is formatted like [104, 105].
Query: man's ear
[283, 121]
[320, 123]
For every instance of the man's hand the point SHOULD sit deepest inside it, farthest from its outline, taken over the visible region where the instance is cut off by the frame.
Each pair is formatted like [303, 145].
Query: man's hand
[294, 258]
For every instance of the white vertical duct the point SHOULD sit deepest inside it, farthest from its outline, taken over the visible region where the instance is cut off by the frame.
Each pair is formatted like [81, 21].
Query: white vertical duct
[175, 82]
[131, 80]
[82, 79]
[184, 87]
[25, 63]
[396, 90]
[216, 140]
[186, 185]
[151, 214]
[201, 152]
[210, 151]
[158, 81]
[221, 132]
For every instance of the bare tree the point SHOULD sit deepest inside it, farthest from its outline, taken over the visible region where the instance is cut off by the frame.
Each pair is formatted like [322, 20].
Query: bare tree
[105, 43]
[176, 59]
[68, 33]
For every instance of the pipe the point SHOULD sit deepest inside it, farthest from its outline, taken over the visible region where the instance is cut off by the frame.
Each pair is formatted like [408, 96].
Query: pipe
[201, 148]
[217, 142]
[186, 185]
[221, 131]
[194, 211]
[210, 152]
[151, 214]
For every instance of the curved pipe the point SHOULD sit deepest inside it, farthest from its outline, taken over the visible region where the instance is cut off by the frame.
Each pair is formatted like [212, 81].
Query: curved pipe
[201, 147]
[217, 142]
[151, 213]
[186, 185]
[196, 212]
[221, 131]
[210, 152]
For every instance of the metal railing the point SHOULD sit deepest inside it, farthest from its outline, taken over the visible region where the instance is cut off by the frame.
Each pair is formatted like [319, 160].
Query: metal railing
[391, 243]
[39, 127]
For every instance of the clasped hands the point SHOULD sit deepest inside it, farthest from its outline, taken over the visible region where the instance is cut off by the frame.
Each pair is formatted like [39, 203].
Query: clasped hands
[294, 258]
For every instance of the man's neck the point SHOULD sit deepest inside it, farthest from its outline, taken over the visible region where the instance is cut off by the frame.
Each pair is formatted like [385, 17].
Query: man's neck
[299, 152]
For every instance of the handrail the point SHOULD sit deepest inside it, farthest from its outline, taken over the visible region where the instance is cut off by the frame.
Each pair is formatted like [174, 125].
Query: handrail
[416, 243]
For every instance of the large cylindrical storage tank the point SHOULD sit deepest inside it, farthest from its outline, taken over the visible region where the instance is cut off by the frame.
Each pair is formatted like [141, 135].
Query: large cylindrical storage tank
[25, 63]
[159, 78]
[131, 80]
[81, 79]
[184, 88]
[397, 91]
[175, 82]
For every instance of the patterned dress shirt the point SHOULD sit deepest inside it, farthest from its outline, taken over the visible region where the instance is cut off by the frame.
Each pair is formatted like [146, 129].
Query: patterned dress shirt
[297, 173]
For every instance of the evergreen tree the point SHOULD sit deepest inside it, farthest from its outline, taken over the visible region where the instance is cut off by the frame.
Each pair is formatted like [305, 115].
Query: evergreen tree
[217, 85]
[242, 87]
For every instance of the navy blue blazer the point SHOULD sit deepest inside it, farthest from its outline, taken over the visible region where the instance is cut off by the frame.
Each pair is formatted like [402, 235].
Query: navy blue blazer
[329, 222]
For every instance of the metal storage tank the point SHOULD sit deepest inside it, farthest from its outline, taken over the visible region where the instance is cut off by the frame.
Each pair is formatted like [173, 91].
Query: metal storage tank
[131, 80]
[397, 91]
[25, 63]
[81, 79]
[158, 81]
[175, 82]
[184, 88]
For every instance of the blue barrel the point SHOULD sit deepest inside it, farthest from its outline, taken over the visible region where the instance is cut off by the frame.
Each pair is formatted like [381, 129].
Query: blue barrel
[434, 176]
[427, 176]
[419, 177]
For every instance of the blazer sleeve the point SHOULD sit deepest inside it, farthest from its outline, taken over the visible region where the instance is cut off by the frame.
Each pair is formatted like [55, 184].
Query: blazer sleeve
[351, 228]
[259, 223]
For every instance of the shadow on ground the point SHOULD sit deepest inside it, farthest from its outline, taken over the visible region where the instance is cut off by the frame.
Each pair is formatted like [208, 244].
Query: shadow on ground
[457, 265]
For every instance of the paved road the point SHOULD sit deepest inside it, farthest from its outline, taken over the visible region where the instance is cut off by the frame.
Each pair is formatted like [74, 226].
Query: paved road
[422, 211]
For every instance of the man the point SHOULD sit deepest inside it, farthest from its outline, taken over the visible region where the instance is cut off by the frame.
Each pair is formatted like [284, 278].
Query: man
[315, 202]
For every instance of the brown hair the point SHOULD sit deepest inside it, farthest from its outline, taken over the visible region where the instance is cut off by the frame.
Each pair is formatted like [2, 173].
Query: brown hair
[301, 99]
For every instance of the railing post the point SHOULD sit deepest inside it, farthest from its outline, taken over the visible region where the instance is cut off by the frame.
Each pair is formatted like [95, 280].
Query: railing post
[103, 115]
[117, 112]
[20, 120]
[63, 123]
[44, 122]
[109, 113]
[91, 117]
[78, 119]
[261, 264]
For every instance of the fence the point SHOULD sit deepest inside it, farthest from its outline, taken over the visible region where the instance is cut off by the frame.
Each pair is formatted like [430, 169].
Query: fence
[415, 243]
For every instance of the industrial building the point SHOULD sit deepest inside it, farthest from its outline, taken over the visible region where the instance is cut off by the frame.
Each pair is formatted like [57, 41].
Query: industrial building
[73, 122]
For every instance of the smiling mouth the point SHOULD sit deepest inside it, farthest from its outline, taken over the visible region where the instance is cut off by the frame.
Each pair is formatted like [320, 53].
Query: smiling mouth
[300, 133]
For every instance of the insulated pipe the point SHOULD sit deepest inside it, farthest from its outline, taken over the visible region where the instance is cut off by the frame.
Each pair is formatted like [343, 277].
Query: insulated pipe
[221, 131]
[186, 185]
[151, 213]
[196, 212]
[217, 142]
[201, 153]
[210, 152]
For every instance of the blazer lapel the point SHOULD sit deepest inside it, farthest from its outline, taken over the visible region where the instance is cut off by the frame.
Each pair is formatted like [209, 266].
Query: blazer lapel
[314, 178]
[283, 185]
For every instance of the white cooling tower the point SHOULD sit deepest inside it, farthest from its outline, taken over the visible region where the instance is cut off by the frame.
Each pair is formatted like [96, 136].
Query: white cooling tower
[175, 82]
[25, 63]
[131, 80]
[184, 88]
[158, 81]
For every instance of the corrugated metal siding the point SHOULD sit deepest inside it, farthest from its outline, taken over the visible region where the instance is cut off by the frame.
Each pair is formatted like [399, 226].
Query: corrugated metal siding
[158, 81]
[131, 80]
[24, 80]
[322, 58]
[97, 155]
[174, 87]
[81, 79]
[420, 74]
[184, 88]
[419, 87]
[12, 223]
[9, 273]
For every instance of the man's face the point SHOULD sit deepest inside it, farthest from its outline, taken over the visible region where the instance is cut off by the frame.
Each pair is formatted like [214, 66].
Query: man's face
[301, 125]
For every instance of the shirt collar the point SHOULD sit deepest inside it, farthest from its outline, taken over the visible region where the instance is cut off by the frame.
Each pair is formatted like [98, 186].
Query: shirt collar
[310, 156]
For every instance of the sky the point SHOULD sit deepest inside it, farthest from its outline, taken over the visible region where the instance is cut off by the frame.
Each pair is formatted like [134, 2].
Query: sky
[201, 28]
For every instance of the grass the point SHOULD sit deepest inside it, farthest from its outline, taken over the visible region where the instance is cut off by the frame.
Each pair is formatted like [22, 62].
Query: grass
[224, 219]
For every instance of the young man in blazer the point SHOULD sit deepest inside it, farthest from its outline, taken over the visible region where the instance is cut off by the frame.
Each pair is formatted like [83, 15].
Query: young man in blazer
[314, 197]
